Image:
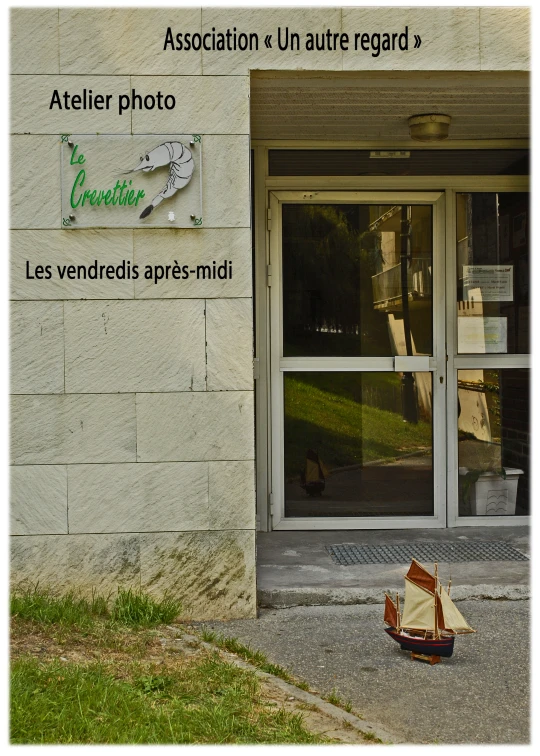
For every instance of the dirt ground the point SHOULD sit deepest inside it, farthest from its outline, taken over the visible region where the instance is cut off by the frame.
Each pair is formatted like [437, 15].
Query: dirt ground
[167, 648]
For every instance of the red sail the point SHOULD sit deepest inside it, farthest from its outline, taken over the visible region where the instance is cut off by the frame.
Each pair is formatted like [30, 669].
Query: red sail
[440, 615]
[419, 575]
[390, 611]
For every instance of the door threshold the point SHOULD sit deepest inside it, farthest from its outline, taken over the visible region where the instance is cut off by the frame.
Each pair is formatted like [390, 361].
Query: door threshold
[357, 523]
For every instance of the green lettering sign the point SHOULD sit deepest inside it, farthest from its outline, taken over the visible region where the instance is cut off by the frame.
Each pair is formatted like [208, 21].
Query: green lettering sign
[79, 181]
[119, 195]
[80, 160]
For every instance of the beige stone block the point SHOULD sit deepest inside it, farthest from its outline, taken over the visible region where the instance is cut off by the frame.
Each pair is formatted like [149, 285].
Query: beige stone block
[80, 563]
[204, 105]
[63, 248]
[229, 339]
[37, 348]
[212, 574]
[38, 499]
[450, 38]
[34, 41]
[232, 495]
[198, 426]
[31, 98]
[135, 346]
[226, 195]
[126, 40]
[505, 39]
[35, 181]
[65, 429]
[265, 21]
[131, 498]
[195, 247]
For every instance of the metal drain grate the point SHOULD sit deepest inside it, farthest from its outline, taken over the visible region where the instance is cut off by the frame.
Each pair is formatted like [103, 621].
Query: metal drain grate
[434, 551]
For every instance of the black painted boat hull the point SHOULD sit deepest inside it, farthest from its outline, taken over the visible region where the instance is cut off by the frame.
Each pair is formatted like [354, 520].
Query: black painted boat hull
[439, 647]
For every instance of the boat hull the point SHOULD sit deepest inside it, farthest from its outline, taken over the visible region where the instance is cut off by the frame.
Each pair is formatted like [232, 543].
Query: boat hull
[439, 647]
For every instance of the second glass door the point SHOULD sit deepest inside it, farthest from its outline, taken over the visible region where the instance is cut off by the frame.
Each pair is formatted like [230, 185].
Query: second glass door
[358, 376]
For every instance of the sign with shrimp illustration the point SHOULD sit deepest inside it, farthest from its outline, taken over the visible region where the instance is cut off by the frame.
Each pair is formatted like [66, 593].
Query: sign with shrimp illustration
[180, 161]
[98, 191]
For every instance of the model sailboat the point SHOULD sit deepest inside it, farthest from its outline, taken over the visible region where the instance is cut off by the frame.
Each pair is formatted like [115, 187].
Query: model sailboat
[430, 620]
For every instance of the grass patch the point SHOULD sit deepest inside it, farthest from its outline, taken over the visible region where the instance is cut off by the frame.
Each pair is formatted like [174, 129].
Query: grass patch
[371, 736]
[257, 658]
[40, 605]
[139, 610]
[336, 700]
[207, 701]
[92, 671]
[129, 608]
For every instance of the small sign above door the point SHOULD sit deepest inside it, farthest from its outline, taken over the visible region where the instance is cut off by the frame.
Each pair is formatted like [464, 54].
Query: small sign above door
[488, 283]
[148, 181]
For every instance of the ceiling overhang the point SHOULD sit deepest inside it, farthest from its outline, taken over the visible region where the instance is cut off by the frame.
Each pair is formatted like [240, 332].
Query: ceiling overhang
[377, 105]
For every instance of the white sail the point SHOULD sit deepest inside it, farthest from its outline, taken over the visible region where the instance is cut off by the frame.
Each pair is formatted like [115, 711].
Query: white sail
[419, 608]
[453, 619]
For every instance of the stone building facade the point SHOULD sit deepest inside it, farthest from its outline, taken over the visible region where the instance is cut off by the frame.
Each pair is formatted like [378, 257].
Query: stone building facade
[132, 415]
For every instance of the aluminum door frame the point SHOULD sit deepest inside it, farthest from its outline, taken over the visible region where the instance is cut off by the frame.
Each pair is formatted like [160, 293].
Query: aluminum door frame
[456, 361]
[279, 364]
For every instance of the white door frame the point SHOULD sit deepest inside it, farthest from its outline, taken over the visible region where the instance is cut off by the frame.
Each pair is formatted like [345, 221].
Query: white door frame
[266, 185]
[279, 364]
[458, 362]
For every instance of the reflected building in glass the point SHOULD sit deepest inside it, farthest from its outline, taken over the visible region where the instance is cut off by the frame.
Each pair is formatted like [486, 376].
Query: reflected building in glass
[357, 282]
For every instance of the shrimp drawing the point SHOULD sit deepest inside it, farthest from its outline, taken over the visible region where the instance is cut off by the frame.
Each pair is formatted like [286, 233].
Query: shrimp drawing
[180, 161]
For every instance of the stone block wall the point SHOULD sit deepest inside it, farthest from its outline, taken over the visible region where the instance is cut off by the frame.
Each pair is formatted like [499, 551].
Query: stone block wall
[132, 414]
[132, 410]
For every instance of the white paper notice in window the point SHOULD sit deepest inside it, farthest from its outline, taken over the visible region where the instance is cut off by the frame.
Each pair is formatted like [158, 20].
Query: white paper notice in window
[477, 335]
[494, 282]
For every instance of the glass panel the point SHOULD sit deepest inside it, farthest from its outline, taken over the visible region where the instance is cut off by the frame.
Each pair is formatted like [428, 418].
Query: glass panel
[358, 444]
[493, 273]
[493, 442]
[345, 292]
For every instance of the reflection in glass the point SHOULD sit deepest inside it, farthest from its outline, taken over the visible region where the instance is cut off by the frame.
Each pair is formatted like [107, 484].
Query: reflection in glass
[357, 280]
[493, 442]
[354, 447]
[493, 273]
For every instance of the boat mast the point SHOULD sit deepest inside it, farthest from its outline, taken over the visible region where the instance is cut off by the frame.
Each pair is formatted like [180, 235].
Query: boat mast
[436, 625]
[398, 616]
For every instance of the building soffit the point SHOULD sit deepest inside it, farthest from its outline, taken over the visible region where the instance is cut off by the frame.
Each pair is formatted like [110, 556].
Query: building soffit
[375, 106]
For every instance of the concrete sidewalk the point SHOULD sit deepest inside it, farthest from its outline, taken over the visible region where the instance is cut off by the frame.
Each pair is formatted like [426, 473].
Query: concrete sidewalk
[479, 695]
[294, 568]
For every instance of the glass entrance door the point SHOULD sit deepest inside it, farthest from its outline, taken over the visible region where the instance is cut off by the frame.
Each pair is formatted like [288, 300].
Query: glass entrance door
[358, 360]
[490, 387]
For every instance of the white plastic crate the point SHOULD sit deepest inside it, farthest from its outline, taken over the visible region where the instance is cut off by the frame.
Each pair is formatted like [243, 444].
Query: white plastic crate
[492, 494]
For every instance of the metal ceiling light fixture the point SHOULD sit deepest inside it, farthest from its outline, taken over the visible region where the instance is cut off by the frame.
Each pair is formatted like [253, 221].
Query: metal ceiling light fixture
[429, 127]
